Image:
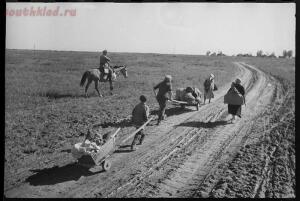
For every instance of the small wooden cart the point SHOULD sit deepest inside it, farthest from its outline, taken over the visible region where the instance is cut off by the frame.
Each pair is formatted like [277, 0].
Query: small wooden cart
[96, 157]
[183, 104]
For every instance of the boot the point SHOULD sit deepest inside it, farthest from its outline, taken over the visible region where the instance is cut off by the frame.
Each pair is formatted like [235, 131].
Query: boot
[141, 140]
[133, 148]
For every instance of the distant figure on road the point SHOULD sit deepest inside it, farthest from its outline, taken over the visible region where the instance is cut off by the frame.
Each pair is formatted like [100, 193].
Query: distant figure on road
[209, 87]
[164, 94]
[235, 98]
[140, 115]
[104, 66]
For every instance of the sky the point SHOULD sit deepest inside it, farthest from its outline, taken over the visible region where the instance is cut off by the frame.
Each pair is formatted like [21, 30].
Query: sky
[172, 28]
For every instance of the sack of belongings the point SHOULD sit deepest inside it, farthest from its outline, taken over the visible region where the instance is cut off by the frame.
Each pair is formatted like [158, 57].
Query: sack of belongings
[91, 144]
[85, 148]
[233, 97]
[180, 92]
[189, 95]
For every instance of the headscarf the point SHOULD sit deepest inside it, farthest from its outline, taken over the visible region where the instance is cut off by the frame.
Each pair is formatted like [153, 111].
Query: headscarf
[168, 78]
[211, 76]
[238, 81]
[189, 89]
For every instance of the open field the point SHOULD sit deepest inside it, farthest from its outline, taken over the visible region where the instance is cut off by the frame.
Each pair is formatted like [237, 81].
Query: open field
[46, 113]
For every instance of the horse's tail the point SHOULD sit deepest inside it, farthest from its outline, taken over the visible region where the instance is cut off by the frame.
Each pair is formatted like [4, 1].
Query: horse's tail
[84, 76]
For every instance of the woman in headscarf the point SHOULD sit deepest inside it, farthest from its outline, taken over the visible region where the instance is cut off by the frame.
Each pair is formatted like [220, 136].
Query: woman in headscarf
[164, 93]
[209, 86]
[236, 109]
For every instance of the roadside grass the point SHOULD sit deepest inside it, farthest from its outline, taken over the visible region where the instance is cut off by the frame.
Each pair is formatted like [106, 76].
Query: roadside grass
[278, 67]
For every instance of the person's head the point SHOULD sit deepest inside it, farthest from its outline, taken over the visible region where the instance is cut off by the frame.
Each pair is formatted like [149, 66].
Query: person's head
[189, 89]
[211, 76]
[168, 78]
[104, 52]
[143, 98]
[238, 81]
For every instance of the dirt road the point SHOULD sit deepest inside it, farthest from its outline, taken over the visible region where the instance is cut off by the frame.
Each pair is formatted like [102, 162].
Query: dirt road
[176, 156]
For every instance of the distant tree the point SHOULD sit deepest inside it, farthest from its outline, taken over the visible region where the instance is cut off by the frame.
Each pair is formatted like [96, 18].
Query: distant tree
[284, 53]
[220, 53]
[259, 53]
[290, 53]
[207, 53]
[272, 55]
[213, 54]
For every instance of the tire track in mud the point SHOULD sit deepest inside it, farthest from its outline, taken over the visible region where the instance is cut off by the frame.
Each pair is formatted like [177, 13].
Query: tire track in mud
[133, 172]
[179, 180]
[189, 135]
[232, 139]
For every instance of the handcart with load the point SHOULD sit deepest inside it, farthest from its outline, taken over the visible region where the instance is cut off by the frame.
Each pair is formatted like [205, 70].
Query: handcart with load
[89, 154]
[183, 98]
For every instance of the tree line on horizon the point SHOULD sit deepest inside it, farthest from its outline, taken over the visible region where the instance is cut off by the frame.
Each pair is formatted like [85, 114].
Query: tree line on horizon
[259, 53]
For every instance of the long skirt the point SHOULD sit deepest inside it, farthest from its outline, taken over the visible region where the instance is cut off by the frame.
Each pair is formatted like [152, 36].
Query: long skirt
[235, 110]
[208, 94]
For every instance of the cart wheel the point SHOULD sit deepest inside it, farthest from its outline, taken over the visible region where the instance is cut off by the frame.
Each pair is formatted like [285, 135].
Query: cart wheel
[106, 165]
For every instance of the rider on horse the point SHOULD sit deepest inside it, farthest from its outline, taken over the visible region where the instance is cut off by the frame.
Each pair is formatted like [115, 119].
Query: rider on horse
[104, 66]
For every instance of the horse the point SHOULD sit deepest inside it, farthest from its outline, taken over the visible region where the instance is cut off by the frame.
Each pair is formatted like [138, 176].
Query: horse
[95, 75]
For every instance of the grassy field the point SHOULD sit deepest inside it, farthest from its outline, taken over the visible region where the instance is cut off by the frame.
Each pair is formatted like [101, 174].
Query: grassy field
[45, 111]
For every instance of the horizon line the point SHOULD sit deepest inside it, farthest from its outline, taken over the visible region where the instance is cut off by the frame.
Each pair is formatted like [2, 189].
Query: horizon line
[140, 52]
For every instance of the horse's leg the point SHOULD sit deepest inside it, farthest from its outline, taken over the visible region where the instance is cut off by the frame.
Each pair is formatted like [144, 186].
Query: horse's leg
[96, 87]
[111, 86]
[87, 86]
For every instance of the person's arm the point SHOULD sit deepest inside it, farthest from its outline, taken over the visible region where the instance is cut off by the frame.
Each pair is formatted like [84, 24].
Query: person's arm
[107, 58]
[170, 92]
[133, 111]
[171, 95]
[146, 113]
[243, 93]
[156, 87]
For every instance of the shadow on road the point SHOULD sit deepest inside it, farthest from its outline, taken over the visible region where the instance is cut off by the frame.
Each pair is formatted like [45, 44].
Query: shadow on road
[198, 124]
[55, 175]
[173, 111]
[127, 122]
[123, 149]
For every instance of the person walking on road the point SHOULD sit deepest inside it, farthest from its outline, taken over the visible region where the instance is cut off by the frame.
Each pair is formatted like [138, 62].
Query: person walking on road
[209, 87]
[164, 94]
[235, 108]
[140, 115]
